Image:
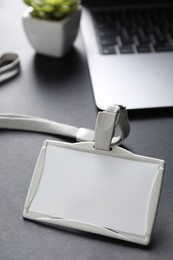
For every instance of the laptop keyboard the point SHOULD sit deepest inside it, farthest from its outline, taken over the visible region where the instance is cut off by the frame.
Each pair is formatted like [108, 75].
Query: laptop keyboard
[134, 31]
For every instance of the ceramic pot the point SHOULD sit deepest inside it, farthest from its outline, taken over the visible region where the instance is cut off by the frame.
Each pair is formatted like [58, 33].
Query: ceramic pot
[53, 38]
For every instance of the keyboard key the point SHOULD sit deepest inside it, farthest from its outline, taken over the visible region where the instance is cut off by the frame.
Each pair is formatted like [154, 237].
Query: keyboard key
[127, 40]
[107, 50]
[99, 16]
[134, 30]
[161, 39]
[148, 29]
[108, 41]
[143, 39]
[143, 48]
[165, 29]
[131, 30]
[125, 49]
[163, 47]
[103, 32]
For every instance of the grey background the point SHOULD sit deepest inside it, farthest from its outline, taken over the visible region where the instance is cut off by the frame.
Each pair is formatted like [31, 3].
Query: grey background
[60, 90]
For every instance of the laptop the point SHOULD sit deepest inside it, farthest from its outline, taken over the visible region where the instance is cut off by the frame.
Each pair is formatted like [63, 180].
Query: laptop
[129, 48]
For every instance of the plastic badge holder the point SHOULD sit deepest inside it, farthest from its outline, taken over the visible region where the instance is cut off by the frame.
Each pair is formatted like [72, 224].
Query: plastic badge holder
[113, 192]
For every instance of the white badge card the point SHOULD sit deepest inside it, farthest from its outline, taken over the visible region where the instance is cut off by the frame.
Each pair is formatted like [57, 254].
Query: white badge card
[112, 193]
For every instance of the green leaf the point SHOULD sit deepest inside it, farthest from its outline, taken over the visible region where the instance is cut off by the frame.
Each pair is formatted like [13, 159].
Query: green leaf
[52, 9]
[53, 2]
[27, 2]
[48, 8]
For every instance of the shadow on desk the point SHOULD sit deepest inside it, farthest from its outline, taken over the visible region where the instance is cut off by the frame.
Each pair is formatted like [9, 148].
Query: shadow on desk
[50, 69]
[116, 242]
[150, 113]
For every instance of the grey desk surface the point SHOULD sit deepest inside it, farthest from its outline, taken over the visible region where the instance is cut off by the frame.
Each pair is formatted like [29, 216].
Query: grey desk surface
[61, 90]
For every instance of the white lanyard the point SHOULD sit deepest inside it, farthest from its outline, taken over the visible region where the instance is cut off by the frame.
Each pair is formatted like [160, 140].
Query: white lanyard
[106, 123]
[9, 66]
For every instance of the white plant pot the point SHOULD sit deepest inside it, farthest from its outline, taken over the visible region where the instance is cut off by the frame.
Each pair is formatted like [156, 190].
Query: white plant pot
[53, 38]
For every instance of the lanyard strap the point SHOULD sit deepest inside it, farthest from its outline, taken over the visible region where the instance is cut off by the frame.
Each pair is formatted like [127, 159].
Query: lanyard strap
[9, 66]
[106, 123]
[38, 124]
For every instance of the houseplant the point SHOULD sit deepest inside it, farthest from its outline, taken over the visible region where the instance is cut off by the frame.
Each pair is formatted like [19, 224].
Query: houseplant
[51, 26]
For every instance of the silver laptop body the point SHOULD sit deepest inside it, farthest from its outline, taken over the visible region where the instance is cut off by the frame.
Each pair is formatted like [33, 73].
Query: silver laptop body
[138, 79]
